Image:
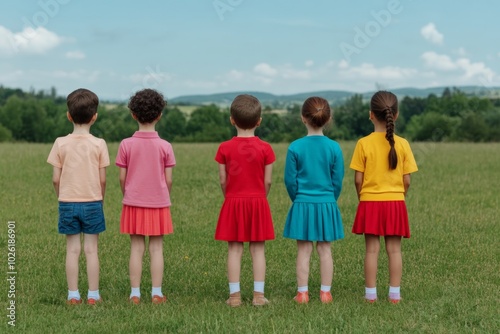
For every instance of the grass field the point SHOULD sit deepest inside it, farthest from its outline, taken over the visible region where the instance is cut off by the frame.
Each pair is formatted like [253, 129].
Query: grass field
[451, 272]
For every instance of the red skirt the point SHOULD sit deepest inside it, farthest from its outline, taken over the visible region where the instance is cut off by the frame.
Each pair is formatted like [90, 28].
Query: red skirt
[146, 221]
[384, 218]
[245, 220]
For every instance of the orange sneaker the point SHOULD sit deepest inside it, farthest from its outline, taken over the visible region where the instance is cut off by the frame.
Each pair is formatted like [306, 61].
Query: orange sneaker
[135, 300]
[325, 297]
[74, 301]
[394, 301]
[302, 297]
[234, 299]
[93, 301]
[371, 301]
[158, 300]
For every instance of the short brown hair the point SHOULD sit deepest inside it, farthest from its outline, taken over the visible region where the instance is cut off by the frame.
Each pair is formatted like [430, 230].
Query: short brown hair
[245, 111]
[82, 105]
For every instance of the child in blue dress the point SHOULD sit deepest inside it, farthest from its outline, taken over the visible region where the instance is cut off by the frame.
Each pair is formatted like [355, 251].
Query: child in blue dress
[314, 172]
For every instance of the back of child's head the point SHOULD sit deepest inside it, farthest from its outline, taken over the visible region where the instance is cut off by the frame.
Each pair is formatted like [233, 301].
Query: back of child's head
[384, 105]
[82, 105]
[147, 105]
[245, 111]
[316, 111]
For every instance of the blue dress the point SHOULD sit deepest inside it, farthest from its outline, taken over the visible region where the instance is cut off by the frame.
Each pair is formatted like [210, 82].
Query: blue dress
[314, 172]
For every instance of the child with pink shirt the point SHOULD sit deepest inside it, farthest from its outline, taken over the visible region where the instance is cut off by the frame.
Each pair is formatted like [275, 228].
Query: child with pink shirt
[79, 163]
[146, 163]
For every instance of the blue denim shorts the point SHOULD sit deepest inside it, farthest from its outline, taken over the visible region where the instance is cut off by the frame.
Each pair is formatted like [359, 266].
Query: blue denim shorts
[82, 217]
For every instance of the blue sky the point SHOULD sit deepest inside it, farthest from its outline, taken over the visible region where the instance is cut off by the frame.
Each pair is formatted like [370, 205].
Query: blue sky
[210, 46]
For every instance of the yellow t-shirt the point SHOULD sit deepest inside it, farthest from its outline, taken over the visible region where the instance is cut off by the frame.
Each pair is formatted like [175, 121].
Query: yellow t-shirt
[371, 157]
[80, 157]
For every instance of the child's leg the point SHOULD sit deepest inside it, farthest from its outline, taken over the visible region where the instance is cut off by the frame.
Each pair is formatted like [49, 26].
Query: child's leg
[393, 248]
[326, 262]
[90, 249]
[91, 255]
[257, 250]
[234, 254]
[372, 243]
[73, 248]
[136, 254]
[304, 250]
[157, 264]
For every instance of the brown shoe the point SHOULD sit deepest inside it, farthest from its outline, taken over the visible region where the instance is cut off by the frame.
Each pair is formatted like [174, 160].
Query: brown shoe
[159, 300]
[234, 299]
[259, 299]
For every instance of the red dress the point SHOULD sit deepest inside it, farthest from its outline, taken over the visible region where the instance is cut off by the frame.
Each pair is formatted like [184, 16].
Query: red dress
[245, 215]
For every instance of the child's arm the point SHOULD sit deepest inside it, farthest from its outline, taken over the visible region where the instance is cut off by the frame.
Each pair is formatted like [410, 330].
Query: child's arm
[358, 181]
[102, 178]
[168, 178]
[123, 177]
[268, 175]
[56, 179]
[406, 182]
[222, 178]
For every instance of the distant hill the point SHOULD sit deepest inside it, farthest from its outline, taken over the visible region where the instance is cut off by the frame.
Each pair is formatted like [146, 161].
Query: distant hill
[333, 96]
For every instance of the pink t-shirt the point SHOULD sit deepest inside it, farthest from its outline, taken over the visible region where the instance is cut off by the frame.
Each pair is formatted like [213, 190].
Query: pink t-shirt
[145, 156]
[80, 157]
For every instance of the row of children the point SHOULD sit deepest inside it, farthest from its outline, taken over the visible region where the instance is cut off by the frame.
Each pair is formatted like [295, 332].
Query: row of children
[313, 176]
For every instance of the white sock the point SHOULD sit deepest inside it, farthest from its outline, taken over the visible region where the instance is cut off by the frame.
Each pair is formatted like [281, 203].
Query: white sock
[73, 294]
[371, 293]
[135, 292]
[93, 294]
[258, 286]
[303, 288]
[394, 292]
[156, 291]
[326, 288]
[234, 287]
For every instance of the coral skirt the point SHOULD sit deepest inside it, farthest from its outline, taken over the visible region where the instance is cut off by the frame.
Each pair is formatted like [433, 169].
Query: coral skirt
[146, 221]
[245, 220]
[384, 218]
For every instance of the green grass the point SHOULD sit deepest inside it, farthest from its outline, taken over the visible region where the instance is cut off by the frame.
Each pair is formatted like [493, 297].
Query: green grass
[451, 274]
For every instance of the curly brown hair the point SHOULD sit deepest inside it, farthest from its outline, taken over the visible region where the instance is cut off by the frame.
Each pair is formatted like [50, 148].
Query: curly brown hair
[147, 105]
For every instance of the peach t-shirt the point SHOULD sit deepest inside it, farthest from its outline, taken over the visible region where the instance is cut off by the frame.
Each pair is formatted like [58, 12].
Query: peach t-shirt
[80, 157]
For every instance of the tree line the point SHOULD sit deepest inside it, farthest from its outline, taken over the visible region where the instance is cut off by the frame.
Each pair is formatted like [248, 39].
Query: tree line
[41, 117]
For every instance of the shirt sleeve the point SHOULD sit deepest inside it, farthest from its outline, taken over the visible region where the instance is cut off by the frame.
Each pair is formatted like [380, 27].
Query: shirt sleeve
[121, 157]
[170, 157]
[219, 156]
[291, 174]
[358, 160]
[54, 158]
[104, 155]
[338, 172]
[409, 163]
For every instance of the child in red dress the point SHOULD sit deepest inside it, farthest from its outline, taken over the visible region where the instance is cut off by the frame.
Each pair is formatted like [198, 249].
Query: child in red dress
[245, 170]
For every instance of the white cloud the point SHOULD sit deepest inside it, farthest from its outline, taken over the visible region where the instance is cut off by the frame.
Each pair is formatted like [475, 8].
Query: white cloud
[265, 69]
[438, 61]
[343, 64]
[309, 63]
[431, 34]
[369, 71]
[475, 69]
[75, 55]
[461, 52]
[29, 41]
